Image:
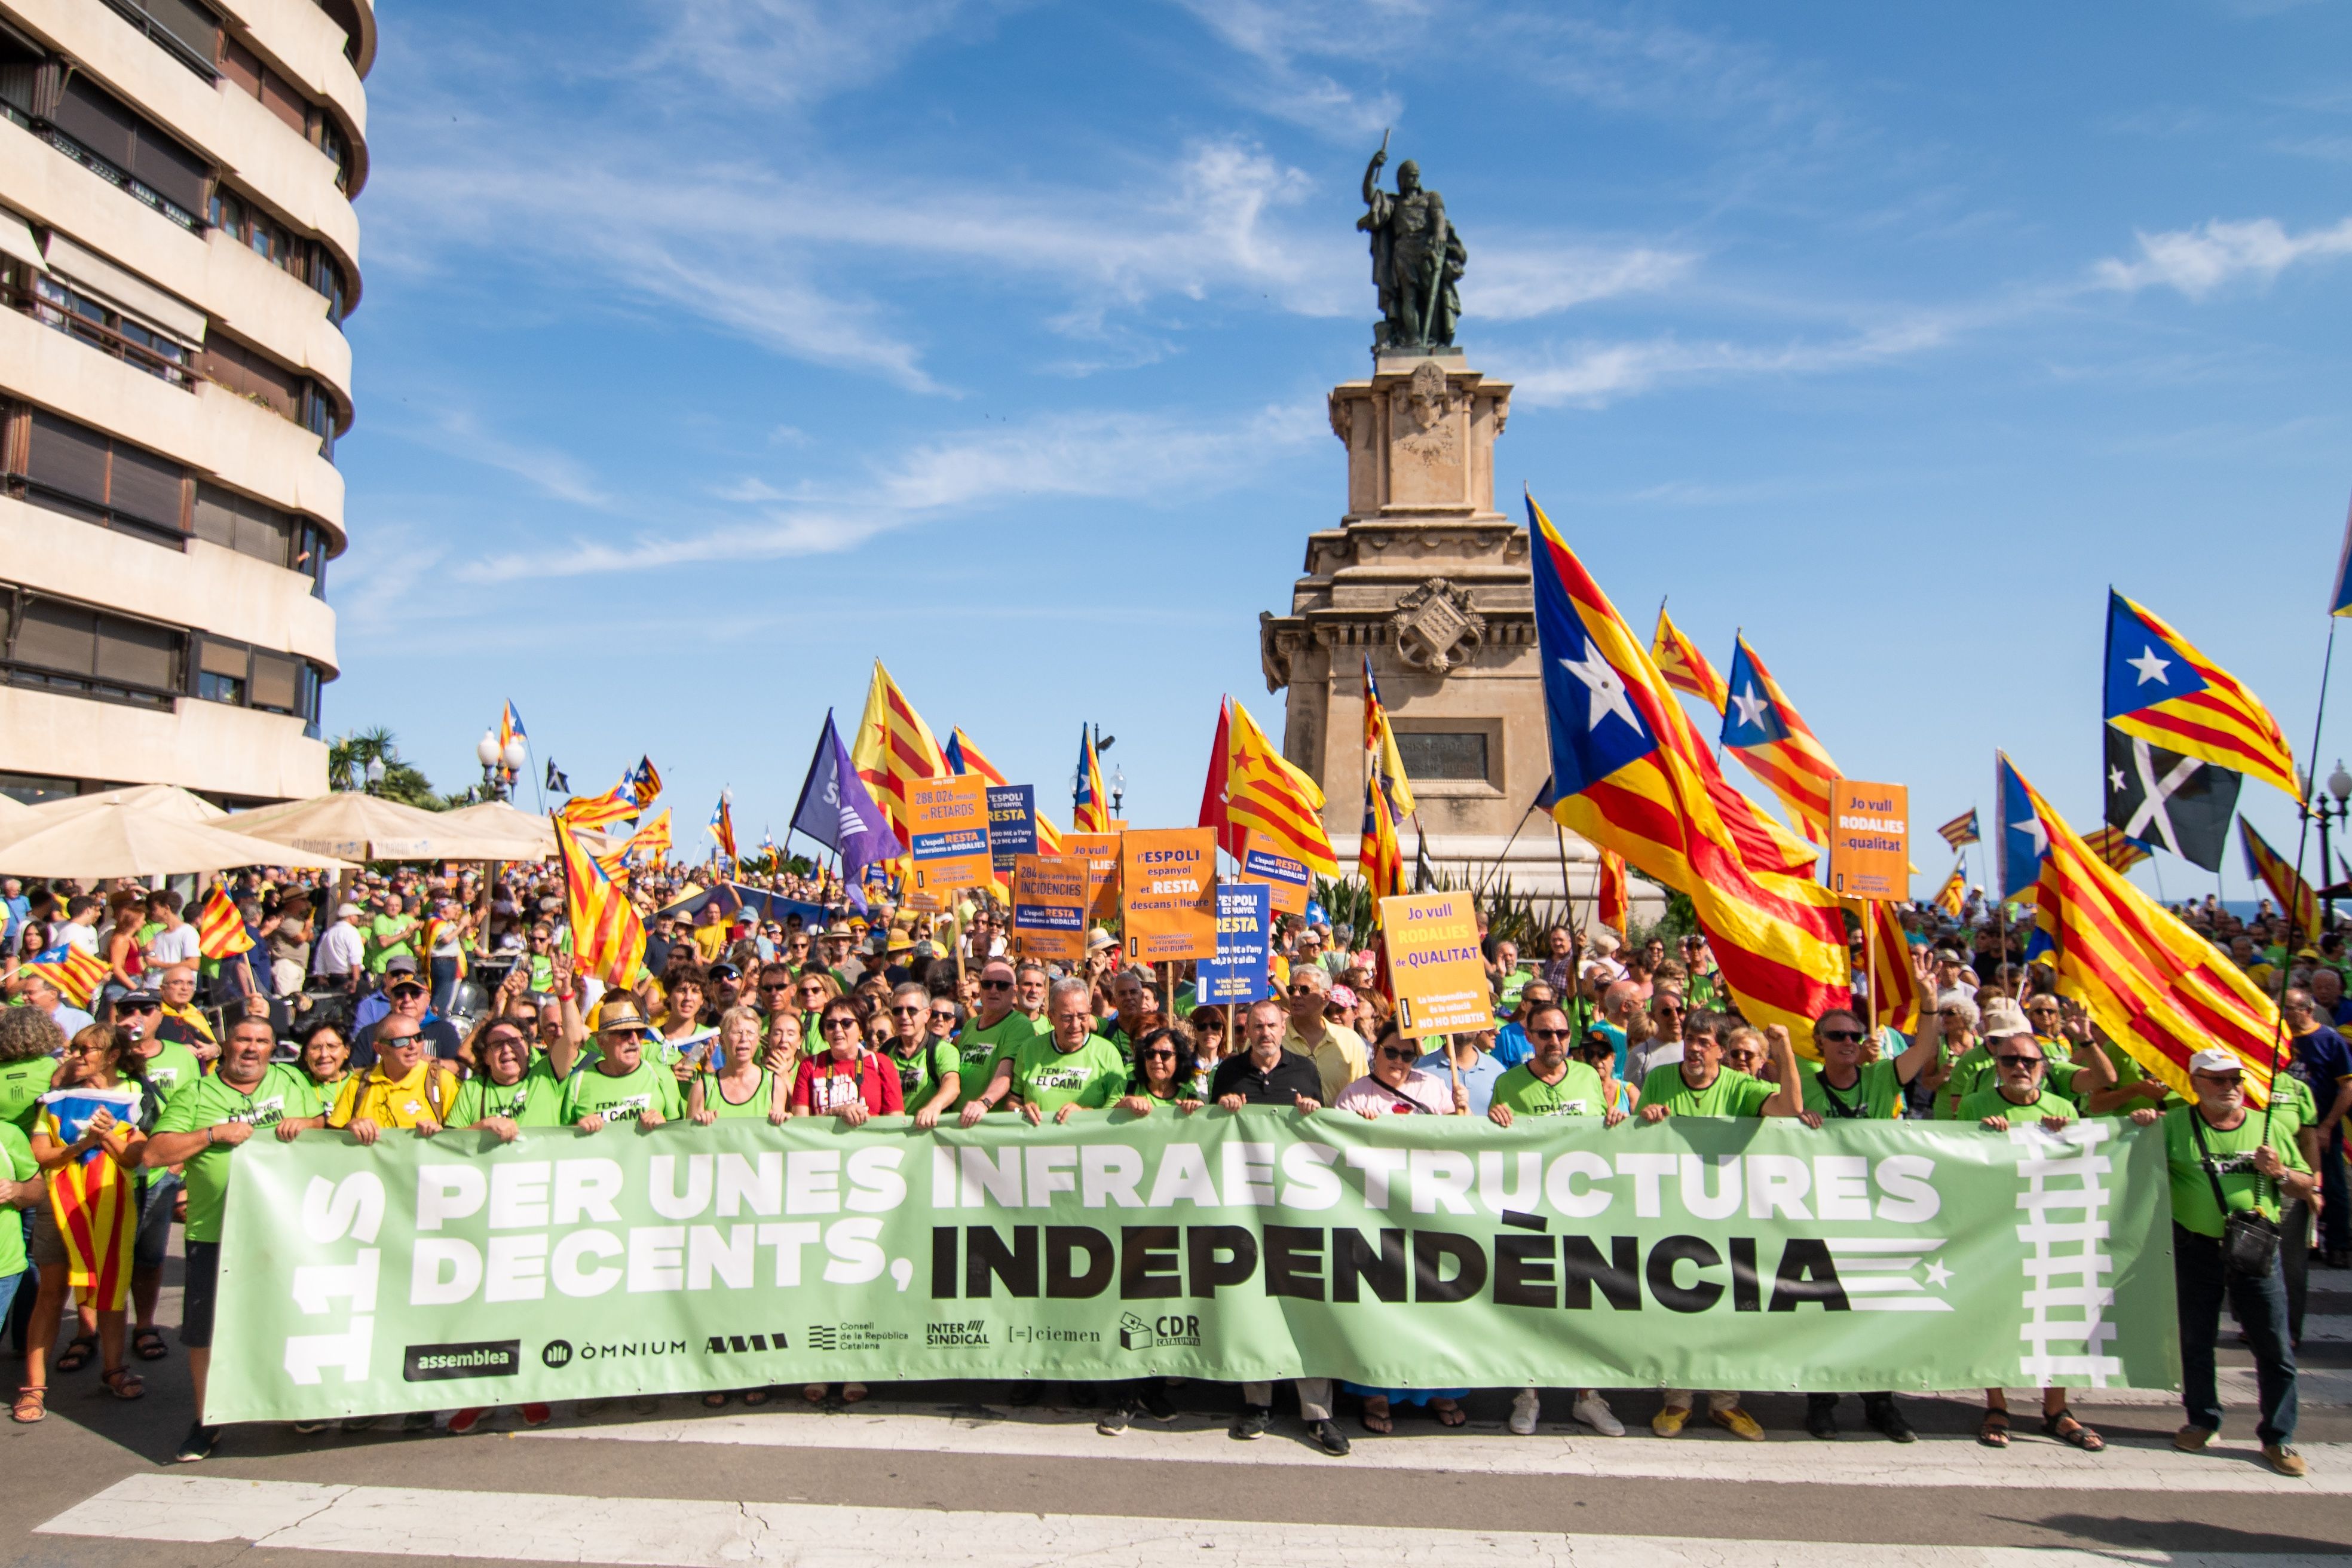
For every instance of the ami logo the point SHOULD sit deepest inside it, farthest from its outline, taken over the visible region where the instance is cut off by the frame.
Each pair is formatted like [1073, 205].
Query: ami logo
[740, 1344]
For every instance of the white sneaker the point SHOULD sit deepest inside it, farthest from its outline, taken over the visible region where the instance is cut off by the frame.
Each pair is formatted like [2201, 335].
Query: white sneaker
[1525, 1408]
[1593, 1410]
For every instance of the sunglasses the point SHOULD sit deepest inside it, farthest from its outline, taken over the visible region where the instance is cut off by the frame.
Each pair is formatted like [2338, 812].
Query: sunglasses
[996, 985]
[1839, 1037]
[909, 1012]
[832, 1023]
[941, 1016]
[1396, 1056]
[1158, 1054]
[1552, 1035]
[2018, 1062]
[1304, 990]
[140, 1007]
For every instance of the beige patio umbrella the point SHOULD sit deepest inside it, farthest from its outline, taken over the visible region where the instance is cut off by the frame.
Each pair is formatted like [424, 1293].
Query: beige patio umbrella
[368, 827]
[122, 839]
[149, 800]
[534, 837]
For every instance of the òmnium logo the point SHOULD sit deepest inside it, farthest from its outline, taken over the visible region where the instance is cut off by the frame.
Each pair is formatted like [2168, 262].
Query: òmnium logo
[481, 1358]
[1171, 1329]
[557, 1354]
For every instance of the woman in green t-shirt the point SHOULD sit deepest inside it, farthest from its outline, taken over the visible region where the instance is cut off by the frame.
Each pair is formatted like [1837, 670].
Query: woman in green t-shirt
[739, 1087]
[1159, 1073]
[325, 1059]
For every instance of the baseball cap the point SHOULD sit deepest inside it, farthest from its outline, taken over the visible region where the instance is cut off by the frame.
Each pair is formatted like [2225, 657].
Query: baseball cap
[1341, 996]
[2215, 1059]
[400, 964]
[139, 998]
[2002, 1016]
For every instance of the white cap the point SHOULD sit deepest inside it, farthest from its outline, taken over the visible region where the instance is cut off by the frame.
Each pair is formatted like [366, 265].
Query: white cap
[345, 911]
[2215, 1059]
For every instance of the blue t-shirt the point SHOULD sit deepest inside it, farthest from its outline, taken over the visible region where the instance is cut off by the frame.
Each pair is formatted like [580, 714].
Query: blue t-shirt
[1511, 1046]
[1478, 1081]
[2322, 1060]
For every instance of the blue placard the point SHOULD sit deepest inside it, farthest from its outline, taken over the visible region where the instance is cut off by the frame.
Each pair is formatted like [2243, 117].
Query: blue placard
[1011, 824]
[1237, 976]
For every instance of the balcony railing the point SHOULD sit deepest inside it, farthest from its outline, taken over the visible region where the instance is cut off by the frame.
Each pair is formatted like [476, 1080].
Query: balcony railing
[168, 365]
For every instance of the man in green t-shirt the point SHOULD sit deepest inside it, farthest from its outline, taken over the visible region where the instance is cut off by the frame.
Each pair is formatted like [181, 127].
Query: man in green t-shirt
[1844, 1087]
[200, 1130]
[623, 1084]
[2222, 1155]
[29, 1043]
[1012, 1014]
[173, 1069]
[514, 1088]
[1060, 1072]
[1549, 1084]
[1700, 1085]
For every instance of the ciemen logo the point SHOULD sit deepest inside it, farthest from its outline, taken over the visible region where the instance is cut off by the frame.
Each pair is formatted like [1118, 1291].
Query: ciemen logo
[482, 1358]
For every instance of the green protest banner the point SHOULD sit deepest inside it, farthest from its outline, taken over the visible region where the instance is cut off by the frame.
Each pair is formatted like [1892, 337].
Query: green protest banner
[1422, 1251]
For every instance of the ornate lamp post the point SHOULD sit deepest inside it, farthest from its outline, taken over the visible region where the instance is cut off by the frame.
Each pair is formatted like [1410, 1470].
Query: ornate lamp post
[499, 768]
[2329, 814]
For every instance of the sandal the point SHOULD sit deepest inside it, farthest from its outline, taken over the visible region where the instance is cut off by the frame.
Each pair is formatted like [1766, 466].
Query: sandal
[1379, 1420]
[32, 1404]
[79, 1352]
[2066, 1429]
[1994, 1433]
[814, 1393]
[148, 1343]
[714, 1401]
[853, 1392]
[124, 1383]
[1448, 1413]
[755, 1397]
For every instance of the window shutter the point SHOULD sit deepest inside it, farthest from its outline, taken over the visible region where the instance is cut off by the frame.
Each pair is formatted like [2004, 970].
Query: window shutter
[145, 487]
[275, 678]
[57, 636]
[278, 96]
[262, 532]
[69, 457]
[169, 170]
[216, 516]
[89, 113]
[191, 24]
[241, 66]
[135, 653]
[227, 658]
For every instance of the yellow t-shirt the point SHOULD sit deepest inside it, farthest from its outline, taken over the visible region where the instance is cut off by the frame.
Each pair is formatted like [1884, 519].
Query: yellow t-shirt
[429, 1093]
[710, 942]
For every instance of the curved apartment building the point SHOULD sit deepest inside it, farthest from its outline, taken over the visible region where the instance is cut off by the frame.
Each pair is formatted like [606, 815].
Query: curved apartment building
[178, 253]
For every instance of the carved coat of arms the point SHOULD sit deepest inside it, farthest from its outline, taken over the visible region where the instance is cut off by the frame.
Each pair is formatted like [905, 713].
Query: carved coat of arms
[1435, 628]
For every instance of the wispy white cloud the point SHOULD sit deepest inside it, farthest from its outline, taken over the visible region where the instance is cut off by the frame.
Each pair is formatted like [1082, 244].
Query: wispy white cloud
[1518, 279]
[2198, 261]
[1277, 38]
[1130, 456]
[796, 51]
[553, 473]
[1592, 374]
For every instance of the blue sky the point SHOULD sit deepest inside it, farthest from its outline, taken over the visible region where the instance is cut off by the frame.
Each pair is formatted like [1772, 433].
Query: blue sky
[711, 348]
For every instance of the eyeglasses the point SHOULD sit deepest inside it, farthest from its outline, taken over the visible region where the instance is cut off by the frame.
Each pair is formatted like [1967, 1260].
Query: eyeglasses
[2018, 1062]
[1838, 1037]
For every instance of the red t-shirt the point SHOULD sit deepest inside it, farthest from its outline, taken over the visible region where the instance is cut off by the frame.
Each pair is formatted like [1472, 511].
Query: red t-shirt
[826, 1085]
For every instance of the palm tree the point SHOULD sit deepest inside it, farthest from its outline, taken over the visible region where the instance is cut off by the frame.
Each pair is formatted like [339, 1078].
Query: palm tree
[348, 757]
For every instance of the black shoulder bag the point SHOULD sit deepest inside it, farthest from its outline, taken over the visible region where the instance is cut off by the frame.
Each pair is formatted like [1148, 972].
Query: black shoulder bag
[2249, 1238]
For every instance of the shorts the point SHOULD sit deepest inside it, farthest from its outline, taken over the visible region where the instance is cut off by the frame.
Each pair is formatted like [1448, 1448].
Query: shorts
[196, 1299]
[46, 1247]
[154, 1220]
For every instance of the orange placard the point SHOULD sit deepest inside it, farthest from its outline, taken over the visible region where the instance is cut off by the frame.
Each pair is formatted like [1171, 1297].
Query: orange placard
[1432, 941]
[1870, 839]
[1170, 900]
[947, 826]
[1100, 852]
[1290, 878]
[1049, 907]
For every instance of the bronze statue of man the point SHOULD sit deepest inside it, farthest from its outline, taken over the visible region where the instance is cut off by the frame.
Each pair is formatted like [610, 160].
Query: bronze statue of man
[1417, 257]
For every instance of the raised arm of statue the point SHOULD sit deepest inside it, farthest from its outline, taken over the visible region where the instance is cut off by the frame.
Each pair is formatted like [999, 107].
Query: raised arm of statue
[1373, 173]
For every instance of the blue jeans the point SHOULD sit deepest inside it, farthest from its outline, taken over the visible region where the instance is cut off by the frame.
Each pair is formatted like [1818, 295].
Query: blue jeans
[445, 985]
[2259, 1305]
[9, 1283]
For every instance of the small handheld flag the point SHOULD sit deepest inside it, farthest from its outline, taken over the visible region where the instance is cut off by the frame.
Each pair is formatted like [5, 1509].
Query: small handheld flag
[2110, 844]
[1961, 831]
[555, 779]
[1089, 806]
[2342, 598]
[511, 727]
[77, 973]
[220, 928]
[1952, 896]
[1763, 729]
[723, 825]
[1685, 668]
[2270, 869]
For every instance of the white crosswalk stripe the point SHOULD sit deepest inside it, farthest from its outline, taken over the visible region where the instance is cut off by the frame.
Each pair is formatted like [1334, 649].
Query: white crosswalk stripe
[671, 1533]
[1862, 1459]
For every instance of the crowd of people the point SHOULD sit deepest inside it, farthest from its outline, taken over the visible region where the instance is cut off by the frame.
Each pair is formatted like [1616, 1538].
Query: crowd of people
[408, 1003]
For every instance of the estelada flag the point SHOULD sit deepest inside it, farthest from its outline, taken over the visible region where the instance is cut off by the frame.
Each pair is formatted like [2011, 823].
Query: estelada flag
[1631, 775]
[608, 939]
[650, 844]
[2294, 895]
[96, 1207]
[1761, 727]
[1090, 807]
[723, 825]
[2340, 602]
[1952, 896]
[74, 973]
[894, 749]
[1685, 668]
[2164, 691]
[1896, 987]
[619, 803]
[2153, 986]
[2110, 844]
[963, 757]
[510, 726]
[1961, 831]
[220, 929]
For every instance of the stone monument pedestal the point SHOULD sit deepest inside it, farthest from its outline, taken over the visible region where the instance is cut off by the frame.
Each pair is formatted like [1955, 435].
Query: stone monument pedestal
[1429, 580]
